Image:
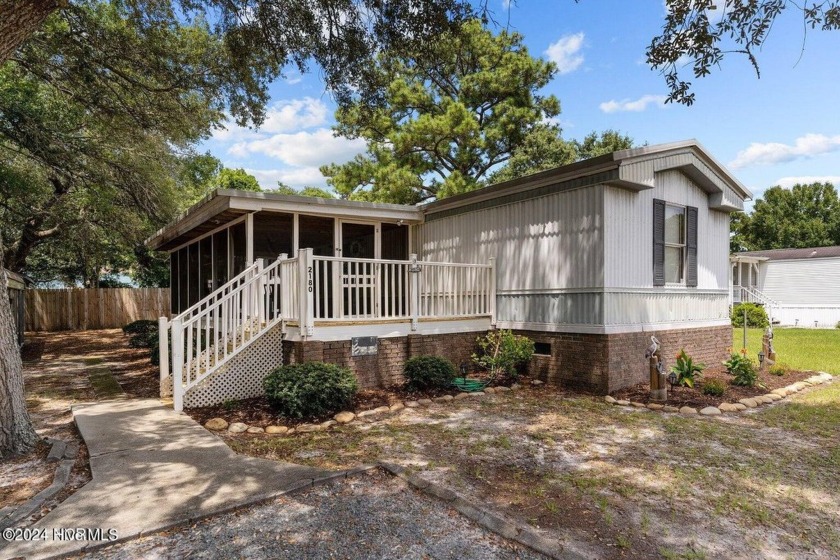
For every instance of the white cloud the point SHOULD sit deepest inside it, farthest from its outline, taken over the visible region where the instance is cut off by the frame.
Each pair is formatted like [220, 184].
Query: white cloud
[634, 105]
[284, 116]
[302, 149]
[565, 53]
[804, 147]
[788, 182]
[296, 177]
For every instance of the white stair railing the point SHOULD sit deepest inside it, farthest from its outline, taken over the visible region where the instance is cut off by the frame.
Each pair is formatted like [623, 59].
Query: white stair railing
[212, 332]
[752, 295]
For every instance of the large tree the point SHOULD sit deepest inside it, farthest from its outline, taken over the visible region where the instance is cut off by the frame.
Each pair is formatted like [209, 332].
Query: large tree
[802, 216]
[446, 117]
[700, 33]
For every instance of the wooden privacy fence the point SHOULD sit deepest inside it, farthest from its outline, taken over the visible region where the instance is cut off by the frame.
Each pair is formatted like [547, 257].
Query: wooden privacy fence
[95, 308]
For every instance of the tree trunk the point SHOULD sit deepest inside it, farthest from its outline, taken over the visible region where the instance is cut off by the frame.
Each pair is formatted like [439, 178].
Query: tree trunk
[21, 18]
[17, 435]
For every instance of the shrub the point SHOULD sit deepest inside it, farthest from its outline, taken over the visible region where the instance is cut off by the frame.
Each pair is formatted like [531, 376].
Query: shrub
[687, 371]
[714, 387]
[428, 372]
[756, 315]
[503, 352]
[144, 340]
[777, 369]
[310, 389]
[143, 326]
[837, 326]
[742, 369]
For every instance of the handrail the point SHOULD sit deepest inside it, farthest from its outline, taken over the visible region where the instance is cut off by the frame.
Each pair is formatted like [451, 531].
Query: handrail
[391, 261]
[209, 297]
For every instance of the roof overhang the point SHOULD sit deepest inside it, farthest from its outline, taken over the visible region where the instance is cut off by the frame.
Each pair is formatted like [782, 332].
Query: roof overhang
[634, 169]
[736, 258]
[223, 206]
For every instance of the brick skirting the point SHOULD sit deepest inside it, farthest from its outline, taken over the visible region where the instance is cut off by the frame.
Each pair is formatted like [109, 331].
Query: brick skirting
[609, 362]
[595, 362]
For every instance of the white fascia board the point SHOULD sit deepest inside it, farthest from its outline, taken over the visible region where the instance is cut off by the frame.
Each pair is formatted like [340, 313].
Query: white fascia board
[321, 207]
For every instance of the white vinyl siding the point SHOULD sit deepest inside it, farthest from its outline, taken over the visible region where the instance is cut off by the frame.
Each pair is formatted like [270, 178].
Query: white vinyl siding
[801, 281]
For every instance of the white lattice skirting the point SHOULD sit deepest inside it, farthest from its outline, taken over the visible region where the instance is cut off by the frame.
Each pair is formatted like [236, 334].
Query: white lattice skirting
[242, 376]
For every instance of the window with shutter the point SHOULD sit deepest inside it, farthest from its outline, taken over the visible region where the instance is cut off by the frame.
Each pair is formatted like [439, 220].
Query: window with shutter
[691, 246]
[674, 244]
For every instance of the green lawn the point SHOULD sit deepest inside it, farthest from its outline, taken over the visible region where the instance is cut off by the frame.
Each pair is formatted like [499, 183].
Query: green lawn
[811, 349]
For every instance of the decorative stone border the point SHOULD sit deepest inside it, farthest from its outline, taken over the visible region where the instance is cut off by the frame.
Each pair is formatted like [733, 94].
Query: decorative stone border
[347, 417]
[65, 454]
[486, 518]
[741, 405]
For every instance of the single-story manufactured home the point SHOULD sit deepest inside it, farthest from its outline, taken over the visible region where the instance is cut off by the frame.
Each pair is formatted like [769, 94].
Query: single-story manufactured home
[589, 260]
[798, 287]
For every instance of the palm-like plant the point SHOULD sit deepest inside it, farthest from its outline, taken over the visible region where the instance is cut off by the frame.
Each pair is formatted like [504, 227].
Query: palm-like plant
[687, 371]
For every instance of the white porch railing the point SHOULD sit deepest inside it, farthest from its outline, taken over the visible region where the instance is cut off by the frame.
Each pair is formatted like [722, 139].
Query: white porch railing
[310, 289]
[750, 294]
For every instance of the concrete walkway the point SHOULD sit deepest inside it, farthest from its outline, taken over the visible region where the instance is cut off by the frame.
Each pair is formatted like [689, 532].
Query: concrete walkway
[153, 468]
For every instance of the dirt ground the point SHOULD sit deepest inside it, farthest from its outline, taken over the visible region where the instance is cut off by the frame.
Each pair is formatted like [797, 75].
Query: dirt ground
[61, 369]
[612, 482]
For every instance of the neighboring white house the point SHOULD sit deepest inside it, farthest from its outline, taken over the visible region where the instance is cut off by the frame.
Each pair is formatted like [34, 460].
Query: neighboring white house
[589, 260]
[799, 287]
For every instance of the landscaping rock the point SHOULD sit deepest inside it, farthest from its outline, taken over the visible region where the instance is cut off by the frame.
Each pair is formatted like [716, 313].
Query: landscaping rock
[277, 430]
[344, 417]
[609, 399]
[489, 390]
[537, 382]
[255, 430]
[740, 406]
[623, 402]
[502, 389]
[328, 424]
[764, 399]
[412, 404]
[688, 410]
[307, 428]
[477, 394]
[366, 413]
[396, 406]
[710, 411]
[728, 407]
[749, 403]
[800, 385]
[460, 396]
[826, 376]
[815, 380]
[667, 408]
[638, 405]
[382, 409]
[655, 406]
[216, 424]
[515, 386]
[773, 397]
[444, 398]
[791, 389]
[781, 392]
[237, 428]
[424, 402]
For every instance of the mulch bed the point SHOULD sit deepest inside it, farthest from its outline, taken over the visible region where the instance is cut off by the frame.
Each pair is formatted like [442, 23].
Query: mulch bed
[694, 397]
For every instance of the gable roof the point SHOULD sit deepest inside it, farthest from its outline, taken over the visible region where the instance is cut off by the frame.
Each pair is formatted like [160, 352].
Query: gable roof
[794, 254]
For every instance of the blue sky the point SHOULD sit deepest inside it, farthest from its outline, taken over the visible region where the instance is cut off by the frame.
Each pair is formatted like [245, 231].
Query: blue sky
[779, 129]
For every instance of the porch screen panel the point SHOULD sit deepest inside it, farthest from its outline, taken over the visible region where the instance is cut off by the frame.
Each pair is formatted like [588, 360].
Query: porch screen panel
[220, 258]
[192, 263]
[394, 277]
[273, 233]
[318, 234]
[205, 266]
[239, 248]
[173, 283]
[183, 280]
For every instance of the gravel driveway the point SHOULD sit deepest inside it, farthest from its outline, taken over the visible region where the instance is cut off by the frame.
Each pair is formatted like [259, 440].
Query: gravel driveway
[369, 516]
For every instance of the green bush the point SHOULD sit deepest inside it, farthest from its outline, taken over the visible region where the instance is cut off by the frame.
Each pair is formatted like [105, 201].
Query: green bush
[687, 371]
[714, 387]
[310, 389]
[777, 369]
[144, 340]
[742, 370]
[756, 315]
[503, 353]
[428, 372]
[143, 326]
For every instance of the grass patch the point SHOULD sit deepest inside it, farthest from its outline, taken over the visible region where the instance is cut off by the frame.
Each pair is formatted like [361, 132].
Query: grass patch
[816, 412]
[806, 349]
[105, 384]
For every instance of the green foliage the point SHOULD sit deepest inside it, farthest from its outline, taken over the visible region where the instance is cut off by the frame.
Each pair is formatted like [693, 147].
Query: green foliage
[778, 369]
[799, 217]
[742, 369]
[311, 389]
[235, 179]
[705, 32]
[756, 315]
[314, 192]
[837, 326]
[428, 372]
[143, 326]
[446, 115]
[687, 371]
[503, 353]
[714, 387]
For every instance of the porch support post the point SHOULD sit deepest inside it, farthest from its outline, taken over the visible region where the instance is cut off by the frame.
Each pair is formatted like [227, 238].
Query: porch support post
[414, 294]
[492, 295]
[259, 294]
[306, 272]
[249, 239]
[163, 349]
[177, 365]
